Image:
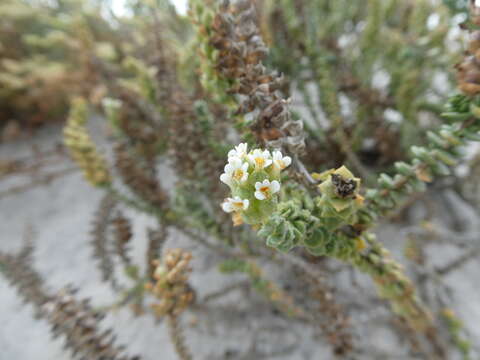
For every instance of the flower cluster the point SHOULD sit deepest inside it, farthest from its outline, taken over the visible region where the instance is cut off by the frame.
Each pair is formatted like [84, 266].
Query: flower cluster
[170, 284]
[254, 180]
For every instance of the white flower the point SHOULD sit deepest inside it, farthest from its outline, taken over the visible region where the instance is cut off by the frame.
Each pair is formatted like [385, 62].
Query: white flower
[240, 151]
[260, 158]
[266, 189]
[280, 161]
[235, 170]
[236, 204]
[111, 103]
[226, 179]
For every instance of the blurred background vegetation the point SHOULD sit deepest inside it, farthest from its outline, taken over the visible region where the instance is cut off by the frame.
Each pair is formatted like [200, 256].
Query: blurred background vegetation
[368, 80]
[393, 75]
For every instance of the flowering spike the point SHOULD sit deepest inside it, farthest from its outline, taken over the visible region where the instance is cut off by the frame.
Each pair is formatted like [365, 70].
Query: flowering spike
[82, 149]
[254, 181]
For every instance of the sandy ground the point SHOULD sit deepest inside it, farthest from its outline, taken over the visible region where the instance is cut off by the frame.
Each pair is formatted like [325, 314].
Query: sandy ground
[60, 214]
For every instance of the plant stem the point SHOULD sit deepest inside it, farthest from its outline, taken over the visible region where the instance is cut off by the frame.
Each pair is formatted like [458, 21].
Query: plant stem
[177, 337]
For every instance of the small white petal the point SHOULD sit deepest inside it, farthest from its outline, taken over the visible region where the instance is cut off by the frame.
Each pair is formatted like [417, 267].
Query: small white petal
[228, 169]
[235, 161]
[268, 162]
[239, 151]
[277, 155]
[227, 207]
[242, 147]
[266, 182]
[258, 185]
[287, 160]
[246, 204]
[275, 186]
[259, 195]
[226, 178]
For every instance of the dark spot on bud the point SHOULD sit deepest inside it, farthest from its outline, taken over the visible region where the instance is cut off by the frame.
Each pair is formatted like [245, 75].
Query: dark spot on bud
[343, 187]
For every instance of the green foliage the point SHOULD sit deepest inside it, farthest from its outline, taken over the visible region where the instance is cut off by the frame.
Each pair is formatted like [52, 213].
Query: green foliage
[430, 161]
[311, 222]
[392, 40]
[460, 6]
[46, 51]
[288, 227]
[456, 328]
[202, 14]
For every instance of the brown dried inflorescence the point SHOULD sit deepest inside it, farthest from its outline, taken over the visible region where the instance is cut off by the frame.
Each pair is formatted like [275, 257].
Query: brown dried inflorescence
[143, 137]
[171, 286]
[193, 156]
[140, 179]
[79, 324]
[188, 143]
[122, 230]
[75, 320]
[99, 234]
[468, 71]
[241, 50]
[19, 273]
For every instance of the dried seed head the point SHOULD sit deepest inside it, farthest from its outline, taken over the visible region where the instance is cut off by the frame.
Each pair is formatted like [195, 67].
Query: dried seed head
[78, 323]
[343, 188]
[468, 71]
[171, 286]
[241, 50]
